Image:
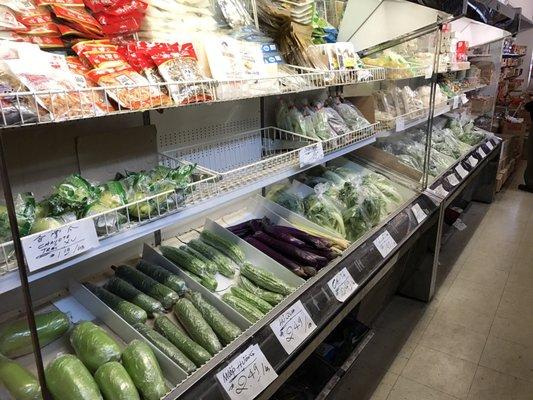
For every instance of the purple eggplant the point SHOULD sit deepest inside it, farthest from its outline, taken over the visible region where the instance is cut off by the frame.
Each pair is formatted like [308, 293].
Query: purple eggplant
[242, 225]
[315, 241]
[242, 232]
[295, 253]
[256, 225]
[304, 272]
[330, 255]
[277, 232]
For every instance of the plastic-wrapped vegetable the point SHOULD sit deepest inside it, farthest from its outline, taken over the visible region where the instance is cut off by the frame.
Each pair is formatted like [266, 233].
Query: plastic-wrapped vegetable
[25, 211]
[115, 383]
[351, 115]
[280, 194]
[19, 382]
[321, 124]
[335, 121]
[321, 210]
[356, 223]
[72, 194]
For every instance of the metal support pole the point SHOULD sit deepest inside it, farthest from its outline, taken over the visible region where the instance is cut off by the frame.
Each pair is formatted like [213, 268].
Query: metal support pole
[21, 264]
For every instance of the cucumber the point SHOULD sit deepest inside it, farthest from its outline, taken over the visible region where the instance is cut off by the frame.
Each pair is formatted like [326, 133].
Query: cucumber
[270, 297]
[198, 329]
[93, 345]
[163, 276]
[129, 312]
[251, 299]
[265, 279]
[206, 281]
[163, 344]
[67, 378]
[15, 337]
[196, 353]
[210, 266]
[223, 327]
[184, 260]
[115, 383]
[19, 382]
[224, 264]
[130, 293]
[142, 366]
[149, 286]
[230, 249]
[248, 311]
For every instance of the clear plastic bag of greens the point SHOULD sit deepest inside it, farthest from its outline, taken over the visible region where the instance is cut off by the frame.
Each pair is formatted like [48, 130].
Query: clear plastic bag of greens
[336, 122]
[74, 193]
[320, 122]
[351, 115]
[281, 194]
[25, 212]
[410, 100]
[356, 222]
[296, 120]
[282, 116]
[323, 211]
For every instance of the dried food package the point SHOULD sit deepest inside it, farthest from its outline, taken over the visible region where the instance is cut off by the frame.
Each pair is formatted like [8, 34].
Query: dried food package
[235, 13]
[410, 100]
[178, 66]
[54, 89]
[128, 88]
[8, 20]
[396, 94]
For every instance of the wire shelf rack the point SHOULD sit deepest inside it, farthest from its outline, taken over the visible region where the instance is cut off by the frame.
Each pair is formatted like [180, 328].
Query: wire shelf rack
[58, 105]
[140, 211]
[246, 157]
[342, 141]
[408, 72]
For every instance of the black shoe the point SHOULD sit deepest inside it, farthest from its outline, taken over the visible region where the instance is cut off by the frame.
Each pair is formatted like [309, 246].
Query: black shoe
[525, 188]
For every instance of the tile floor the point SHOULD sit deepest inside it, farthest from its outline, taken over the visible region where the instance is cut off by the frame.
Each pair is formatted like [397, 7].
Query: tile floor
[474, 341]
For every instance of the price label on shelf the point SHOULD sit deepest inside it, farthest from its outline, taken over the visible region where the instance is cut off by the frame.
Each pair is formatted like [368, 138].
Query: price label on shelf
[461, 171]
[472, 161]
[456, 101]
[293, 326]
[419, 214]
[311, 154]
[464, 99]
[385, 243]
[400, 124]
[452, 179]
[481, 152]
[49, 247]
[342, 285]
[247, 375]
[429, 73]
[490, 145]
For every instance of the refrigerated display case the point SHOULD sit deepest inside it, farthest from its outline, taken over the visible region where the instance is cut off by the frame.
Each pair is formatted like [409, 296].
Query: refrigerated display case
[229, 237]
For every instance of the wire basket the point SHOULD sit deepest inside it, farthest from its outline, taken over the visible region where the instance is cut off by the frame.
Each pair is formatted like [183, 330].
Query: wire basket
[245, 158]
[408, 72]
[339, 142]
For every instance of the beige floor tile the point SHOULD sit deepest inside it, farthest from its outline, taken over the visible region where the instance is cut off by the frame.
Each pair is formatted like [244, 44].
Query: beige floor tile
[478, 295]
[406, 389]
[522, 272]
[381, 392]
[503, 259]
[518, 330]
[454, 340]
[440, 371]
[488, 276]
[476, 318]
[509, 358]
[493, 385]
[516, 303]
[398, 364]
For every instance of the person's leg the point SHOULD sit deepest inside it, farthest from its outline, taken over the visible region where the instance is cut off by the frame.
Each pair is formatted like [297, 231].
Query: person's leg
[528, 173]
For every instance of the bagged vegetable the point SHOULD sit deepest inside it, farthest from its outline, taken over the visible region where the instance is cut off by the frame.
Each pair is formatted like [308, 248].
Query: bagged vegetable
[25, 211]
[279, 193]
[323, 211]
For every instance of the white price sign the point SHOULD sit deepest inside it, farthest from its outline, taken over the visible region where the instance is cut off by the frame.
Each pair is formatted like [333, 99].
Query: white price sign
[456, 101]
[440, 191]
[461, 171]
[429, 73]
[419, 214]
[311, 154]
[400, 124]
[385, 243]
[49, 247]
[464, 99]
[293, 326]
[452, 179]
[472, 161]
[342, 285]
[481, 152]
[247, 375]
[459, 225]
[490, 145]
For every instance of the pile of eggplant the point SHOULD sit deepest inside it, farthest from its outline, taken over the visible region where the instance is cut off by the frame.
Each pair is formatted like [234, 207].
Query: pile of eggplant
[300, 252]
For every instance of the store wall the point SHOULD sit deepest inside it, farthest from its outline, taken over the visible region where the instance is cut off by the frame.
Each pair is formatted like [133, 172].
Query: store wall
[526, 38]
[526, 5]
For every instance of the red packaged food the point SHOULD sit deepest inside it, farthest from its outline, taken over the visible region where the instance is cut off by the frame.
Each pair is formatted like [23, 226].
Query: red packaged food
[35, 19]
[8, 20]
[104, 60]
[65, 3]
[47, 29]
[98, 5]
[126, 7]
[121, 27]
[77, 15]
[45, 42]
[128, 88]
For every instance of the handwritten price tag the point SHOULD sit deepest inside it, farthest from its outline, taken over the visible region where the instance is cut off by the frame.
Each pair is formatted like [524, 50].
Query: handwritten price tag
[247, 375]
[481, 152]
[452, 179]
[400, 124]
[342, 285]
[461, 171]
[490, 145]
[419, 214]
[49, 247]
[472, 161]
[464, 99]
[385, 243]
[311, 154]
[440, 191]
[429, 73]
[293, 326]
[456, 101]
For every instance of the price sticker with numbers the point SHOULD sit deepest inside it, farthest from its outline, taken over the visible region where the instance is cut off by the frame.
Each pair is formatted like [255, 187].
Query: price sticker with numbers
[472, 161]
[385, 243]
[490, 145]
[419, 214]
[440, 191]
[311, 154]
[481, 152]
[464, 99]
[49, 247]
[461, 171]
[452, 179]
[342, 285]
[293, 326]
[247, 375]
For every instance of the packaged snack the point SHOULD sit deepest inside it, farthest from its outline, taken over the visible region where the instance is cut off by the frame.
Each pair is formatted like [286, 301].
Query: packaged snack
[63, 3]
[104, 59]
[8, 20]
[78, 16]
[128, 88]
[235, 13]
